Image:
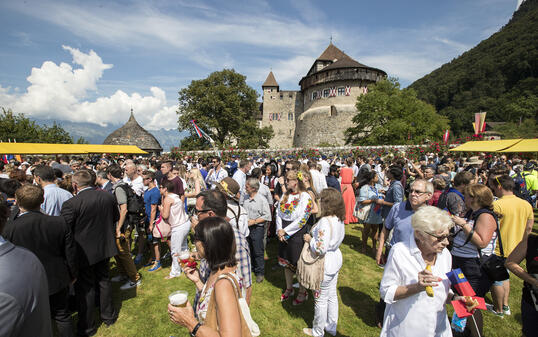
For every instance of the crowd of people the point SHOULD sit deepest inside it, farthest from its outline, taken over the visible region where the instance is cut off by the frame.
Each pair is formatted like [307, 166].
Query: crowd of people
[63, 219]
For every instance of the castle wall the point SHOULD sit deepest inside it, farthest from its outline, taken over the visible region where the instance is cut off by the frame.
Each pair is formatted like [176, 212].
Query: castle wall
[324, 124]
[312, 99]
[280, 110]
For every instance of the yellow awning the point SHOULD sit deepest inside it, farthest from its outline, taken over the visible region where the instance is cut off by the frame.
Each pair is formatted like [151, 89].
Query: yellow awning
[526, 145]
[487, 145]
[43, 148]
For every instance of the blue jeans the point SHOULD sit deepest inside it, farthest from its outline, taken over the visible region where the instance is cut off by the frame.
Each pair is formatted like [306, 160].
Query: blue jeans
[255, 242]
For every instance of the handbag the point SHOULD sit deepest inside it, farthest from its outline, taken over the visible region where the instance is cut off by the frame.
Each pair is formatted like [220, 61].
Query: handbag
[493, 265]
[310, 266]
[162, 229]
[248, 326]
[362, 212]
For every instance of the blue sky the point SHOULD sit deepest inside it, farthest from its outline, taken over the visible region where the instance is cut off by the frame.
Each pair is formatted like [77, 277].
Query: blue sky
[92, 61]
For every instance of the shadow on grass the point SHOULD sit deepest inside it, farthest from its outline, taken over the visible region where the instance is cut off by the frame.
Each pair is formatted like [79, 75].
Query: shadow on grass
[362, 304]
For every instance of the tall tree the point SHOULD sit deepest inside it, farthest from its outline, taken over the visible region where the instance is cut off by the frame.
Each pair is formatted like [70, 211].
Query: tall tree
[223, 105]
[19, 128]
[389, 115]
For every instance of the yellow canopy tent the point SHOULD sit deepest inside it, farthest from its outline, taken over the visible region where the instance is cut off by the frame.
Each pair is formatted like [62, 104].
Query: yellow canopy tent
[43, 148]
[487, 145]
[526, 145]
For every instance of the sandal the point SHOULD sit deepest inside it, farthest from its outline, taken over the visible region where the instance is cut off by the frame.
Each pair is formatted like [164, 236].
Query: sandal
[298, 301]
[286, 294]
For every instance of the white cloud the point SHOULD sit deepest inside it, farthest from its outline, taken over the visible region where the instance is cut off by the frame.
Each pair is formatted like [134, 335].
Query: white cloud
[59, 92]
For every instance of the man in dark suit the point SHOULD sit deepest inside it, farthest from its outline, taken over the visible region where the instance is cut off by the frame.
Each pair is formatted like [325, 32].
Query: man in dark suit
[24, 300]
[92, 215]
[49, 238]
[103, 182]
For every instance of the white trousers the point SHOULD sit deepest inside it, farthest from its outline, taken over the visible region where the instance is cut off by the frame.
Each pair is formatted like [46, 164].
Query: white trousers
[178, 243]
[326, 307]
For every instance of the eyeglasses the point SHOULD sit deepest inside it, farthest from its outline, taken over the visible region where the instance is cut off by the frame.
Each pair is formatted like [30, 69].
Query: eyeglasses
[411, 191]
[440, 238]
[198, 211]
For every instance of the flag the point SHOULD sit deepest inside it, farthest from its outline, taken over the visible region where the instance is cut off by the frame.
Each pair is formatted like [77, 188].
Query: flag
[482, 127]
[197, 129]
[446, 136]
[348, 90]
[460, 283]
[476, 124]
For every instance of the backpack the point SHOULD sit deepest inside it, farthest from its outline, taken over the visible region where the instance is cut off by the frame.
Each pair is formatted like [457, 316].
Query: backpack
[520, 188]
[443, 198]
[136, 209]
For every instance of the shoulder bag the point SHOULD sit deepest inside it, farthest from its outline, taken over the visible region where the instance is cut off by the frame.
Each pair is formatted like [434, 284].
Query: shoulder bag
[248, 326]
[493, 265]
[310, 266]
[361, 212]
[161, 229]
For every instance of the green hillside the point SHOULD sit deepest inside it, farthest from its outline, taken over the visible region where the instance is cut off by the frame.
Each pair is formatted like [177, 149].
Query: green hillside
[499, 75]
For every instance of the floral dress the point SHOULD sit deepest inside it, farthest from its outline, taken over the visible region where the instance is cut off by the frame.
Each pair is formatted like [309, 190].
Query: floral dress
[292, 217]
[205, 296]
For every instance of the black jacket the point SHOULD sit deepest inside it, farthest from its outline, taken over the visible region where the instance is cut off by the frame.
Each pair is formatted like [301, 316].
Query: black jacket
[92, 215]
[49, 238]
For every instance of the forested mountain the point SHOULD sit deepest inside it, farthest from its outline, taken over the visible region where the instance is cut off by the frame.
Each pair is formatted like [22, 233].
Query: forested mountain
[499, 76]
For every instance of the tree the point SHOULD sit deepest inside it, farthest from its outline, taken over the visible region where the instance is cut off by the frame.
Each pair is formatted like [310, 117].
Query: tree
[388, 115]
[222, 105]
[17, 127]
[527, 129]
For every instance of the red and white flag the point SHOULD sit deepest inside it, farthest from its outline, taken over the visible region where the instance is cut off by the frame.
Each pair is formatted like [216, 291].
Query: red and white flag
[348, 90]
[446, 136]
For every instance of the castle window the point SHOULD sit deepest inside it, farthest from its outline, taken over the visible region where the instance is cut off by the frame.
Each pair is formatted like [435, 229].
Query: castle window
[314, 95]
[290, 116]
[281, 96]
[333, 111]
[326, 93]
[341, 91]
[290, 95]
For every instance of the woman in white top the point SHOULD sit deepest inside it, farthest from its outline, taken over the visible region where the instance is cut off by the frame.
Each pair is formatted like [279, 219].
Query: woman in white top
[327, 235]
[410, 311]
[292, 214]
[475, 236]
[172, 211]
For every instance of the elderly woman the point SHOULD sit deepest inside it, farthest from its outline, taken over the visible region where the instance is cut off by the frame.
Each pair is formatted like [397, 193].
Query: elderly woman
[410, 311]
[327, 236]
[214, 241]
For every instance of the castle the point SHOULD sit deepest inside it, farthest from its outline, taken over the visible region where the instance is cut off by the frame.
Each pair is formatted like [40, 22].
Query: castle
[323, 109]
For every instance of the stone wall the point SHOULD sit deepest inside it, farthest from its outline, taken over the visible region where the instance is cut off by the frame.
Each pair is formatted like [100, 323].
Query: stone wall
[325, 124]
[287, 104]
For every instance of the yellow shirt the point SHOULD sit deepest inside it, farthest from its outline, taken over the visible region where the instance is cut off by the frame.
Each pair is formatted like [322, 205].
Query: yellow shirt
[513, 214]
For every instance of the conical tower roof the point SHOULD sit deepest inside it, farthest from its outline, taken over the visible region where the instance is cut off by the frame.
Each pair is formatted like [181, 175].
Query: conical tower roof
[133, 134]
[332, 53]
[270, 81]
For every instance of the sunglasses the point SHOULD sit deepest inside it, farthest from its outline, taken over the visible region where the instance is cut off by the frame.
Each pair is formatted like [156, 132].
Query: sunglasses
[440, 238]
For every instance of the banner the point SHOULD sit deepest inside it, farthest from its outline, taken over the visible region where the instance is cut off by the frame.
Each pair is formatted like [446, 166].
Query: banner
[476, 124]
[446, 137]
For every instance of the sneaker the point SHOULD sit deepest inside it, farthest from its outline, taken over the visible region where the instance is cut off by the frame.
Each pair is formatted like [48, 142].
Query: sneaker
[155, 266]
[130, 284]
[491, 309]
[259, 278]
[506, 310]
[118, 278]
[138, 259]
[150, 263]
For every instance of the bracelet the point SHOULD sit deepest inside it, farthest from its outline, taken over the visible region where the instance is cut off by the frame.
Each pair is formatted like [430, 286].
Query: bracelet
[195, 330]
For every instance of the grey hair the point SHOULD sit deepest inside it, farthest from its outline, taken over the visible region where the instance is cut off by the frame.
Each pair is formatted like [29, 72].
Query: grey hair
[254, 183]
[102, 174]
[431, 219]
[428, 185]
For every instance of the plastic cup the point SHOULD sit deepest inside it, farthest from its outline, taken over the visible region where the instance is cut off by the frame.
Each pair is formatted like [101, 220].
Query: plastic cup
[178, 298]
[184, 258]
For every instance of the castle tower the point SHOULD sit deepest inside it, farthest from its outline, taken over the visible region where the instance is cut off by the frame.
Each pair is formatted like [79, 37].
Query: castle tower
[279, 110]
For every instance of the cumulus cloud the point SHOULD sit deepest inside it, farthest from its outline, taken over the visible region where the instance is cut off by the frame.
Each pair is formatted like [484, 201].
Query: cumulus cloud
[61, 92]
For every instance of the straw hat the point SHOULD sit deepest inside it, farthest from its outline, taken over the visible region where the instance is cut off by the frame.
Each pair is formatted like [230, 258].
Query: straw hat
[230, 187]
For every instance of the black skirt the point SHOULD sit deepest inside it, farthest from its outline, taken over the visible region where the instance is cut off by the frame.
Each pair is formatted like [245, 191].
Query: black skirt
[290, 251]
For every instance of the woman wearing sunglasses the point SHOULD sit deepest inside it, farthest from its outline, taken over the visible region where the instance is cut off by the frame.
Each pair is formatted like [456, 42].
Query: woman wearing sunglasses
[410, 311]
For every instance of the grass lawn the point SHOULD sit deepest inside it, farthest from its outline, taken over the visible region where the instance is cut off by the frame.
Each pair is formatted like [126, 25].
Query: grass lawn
[143, 311]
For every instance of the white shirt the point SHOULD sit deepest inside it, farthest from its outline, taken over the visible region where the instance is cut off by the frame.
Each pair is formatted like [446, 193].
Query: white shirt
[214, 177]
[241, 179]
[318, 180]
[243, 218]
[355, 170]
[137, 185]
[325, 167]
[327, 236]
[298, 215]
[418, 314]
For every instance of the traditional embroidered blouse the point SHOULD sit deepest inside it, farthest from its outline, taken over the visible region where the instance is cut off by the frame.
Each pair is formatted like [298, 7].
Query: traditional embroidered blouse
[297, 209]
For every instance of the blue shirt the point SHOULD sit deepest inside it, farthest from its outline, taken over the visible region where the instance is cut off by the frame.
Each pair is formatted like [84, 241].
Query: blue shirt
[333, 182]
[203, 172]
[399, 218]
[54, 198]
[394, 194]
[152, 197]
